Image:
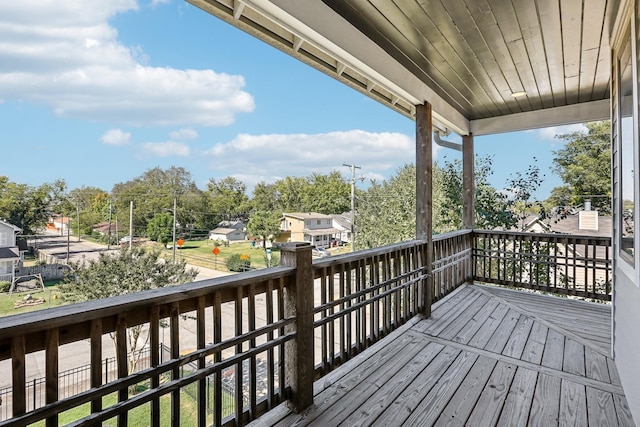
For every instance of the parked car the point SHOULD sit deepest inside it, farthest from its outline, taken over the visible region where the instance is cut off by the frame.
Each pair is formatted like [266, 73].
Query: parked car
[320, 252]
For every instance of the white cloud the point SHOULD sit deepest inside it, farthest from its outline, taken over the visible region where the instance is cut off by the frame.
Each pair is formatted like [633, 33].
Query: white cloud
[184, 134]
[65, 55]
[269, 157]
[166, 149]
[116, 137]
[551, 132]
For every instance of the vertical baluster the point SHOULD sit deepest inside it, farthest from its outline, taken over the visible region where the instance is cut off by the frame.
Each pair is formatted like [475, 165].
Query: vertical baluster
[343, 321]
[96, 361]
[271, 372]
[332, 324]
[363, 308]
[594, 249]
[202, 383]
[348, 292]
[217, 358]
[324, 328]
[253, 379]
[607, 279]
[281, 347]
[238, 368]
[397, 265]
[121, 361]
[387, 299]
[154, 354]
[375, 278]
[174, 338]
[357, 286]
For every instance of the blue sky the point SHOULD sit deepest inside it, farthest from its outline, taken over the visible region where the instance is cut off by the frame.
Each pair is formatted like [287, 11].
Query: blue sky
[98, 95]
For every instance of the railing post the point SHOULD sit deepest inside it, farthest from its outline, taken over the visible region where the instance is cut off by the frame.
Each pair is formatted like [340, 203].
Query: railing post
[298, 302]
[424, 195]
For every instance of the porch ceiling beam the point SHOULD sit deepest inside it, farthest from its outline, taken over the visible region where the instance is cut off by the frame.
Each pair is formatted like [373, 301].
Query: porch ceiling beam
[568, 114]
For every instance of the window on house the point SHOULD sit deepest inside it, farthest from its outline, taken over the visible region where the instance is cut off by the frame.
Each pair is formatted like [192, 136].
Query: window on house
[626, 156]
[319, 222]
[4, 238]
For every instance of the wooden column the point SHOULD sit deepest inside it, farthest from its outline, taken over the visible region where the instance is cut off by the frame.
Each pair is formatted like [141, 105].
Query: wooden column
[298, 302]
[424, 194]
[468, 182]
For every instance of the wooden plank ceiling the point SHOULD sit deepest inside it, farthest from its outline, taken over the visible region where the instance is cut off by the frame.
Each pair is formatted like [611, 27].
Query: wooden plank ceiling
[469, 58]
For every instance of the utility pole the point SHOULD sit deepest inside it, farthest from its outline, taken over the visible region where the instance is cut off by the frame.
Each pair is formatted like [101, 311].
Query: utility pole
[130, 224]
[109, 234]
[174, 227]
[353, 201]
[78, 218]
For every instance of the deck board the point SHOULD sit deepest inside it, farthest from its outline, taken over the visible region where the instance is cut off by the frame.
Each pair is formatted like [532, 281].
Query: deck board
[481, 359]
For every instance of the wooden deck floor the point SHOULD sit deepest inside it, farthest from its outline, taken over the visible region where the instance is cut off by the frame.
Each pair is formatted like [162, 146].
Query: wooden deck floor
[487, 357]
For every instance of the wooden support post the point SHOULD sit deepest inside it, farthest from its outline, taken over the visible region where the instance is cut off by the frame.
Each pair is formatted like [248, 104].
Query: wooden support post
[298, 302]
[424, 194]
[468, 182]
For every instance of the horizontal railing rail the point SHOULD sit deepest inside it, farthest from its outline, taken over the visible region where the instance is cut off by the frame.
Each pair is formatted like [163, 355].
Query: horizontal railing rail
[557, 263]
[237, 346]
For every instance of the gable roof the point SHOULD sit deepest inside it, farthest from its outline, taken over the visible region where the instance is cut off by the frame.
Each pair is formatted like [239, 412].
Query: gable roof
[9, 254]
[225, 231]
[570, 224]
[306, 215]
[15, 229]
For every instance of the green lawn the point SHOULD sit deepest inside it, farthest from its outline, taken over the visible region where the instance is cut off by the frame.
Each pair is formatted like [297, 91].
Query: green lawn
[138, 416]
[51, 297]
[199, 252]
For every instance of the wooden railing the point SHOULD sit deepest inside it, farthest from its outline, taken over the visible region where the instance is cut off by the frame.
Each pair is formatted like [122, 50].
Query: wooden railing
[240, 322]
[560, 264]
[362, 297]
[244, 343]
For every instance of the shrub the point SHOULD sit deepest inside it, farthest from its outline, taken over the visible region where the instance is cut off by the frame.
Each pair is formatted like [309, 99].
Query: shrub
[238, 263]
[4, 286]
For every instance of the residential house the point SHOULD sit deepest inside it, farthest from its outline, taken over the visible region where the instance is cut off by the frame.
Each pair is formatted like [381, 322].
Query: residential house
[59, 224]
[9, 251]
[227, 234]
[342, 222]
[311, 227]
[582, 223]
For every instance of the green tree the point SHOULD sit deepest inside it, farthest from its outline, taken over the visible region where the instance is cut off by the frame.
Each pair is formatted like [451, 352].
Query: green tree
[160, 228]
[326, 194]
[290, 194]
[584, 165]
[228, 197]
[263, 224]
[264, 197]
[92, 205]
[29, 207]
[386, 212]
[152, 193]
[125, 272]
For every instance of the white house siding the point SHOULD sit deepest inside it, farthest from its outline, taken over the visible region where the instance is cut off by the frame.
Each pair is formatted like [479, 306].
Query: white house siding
[626, 290]
[227, 236]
